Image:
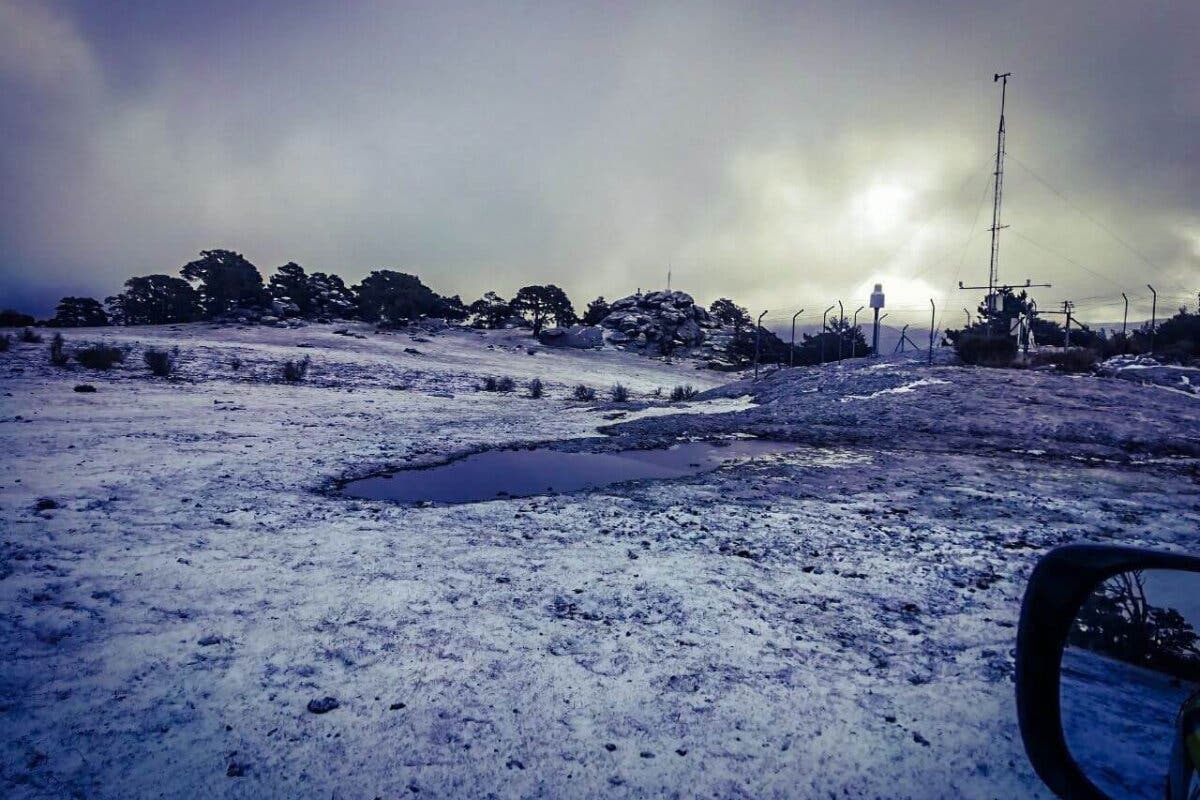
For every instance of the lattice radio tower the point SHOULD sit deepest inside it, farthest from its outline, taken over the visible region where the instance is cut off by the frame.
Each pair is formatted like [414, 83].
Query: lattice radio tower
[994, 287]
[994, 266]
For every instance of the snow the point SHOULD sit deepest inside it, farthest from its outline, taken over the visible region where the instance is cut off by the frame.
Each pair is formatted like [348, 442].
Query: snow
[904, 389]
[716, 405]
[1119, 722]
[831, 622]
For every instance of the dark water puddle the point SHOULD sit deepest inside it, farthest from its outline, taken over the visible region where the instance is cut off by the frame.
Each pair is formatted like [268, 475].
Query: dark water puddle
[524, 473]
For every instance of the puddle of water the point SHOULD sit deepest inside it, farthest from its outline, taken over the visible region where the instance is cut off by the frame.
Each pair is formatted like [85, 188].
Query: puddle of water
[497, 474]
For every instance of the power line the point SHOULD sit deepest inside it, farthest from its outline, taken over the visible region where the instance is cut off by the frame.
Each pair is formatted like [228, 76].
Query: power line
[1068, 259]
[1086, 215]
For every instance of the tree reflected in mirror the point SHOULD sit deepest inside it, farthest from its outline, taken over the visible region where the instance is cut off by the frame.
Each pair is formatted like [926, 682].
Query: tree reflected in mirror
[1130, 672]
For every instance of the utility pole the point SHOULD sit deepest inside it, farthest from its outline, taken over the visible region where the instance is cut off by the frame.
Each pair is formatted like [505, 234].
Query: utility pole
[876, 304]
[968, 313]
[1153, 316]
[841, 327]
[792, 351]
[823, 329]
[854, 334]
[668, 276]
[1030, 316]
[757, 336]
[1067, 306]
[993, 267]
[932, 321]
[1125, 324]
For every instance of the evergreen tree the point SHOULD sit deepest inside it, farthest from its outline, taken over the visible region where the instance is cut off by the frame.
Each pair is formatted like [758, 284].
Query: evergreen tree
[78, 312]
[394, 298]
[730, 313]
[490, 311]
[289, 284]
[537, 304]
[329, 297]
[597, 310]
[227, 281]
[155, 300]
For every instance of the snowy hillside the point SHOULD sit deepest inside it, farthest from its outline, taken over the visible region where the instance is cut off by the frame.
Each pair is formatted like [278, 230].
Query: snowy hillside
[181, 584]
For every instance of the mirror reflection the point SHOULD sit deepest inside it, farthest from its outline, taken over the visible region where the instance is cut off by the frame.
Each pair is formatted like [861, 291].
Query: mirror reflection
[1130, 682]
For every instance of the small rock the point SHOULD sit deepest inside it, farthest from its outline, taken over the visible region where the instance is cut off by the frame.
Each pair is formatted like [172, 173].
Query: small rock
[209, 641]
[85, 388]
[919, 739]
[395, 706]
[235, 770]
[610, 747]
[45, 504]
[322, 705]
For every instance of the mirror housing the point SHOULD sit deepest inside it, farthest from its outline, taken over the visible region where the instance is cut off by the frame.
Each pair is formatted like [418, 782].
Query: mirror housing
[1059, 585]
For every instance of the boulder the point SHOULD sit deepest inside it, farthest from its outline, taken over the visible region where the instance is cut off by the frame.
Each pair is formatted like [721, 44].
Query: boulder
[582, 336]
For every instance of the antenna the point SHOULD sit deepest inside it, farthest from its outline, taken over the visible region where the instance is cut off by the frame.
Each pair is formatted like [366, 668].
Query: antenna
[993, 267]
[994, 287]
[668, 276]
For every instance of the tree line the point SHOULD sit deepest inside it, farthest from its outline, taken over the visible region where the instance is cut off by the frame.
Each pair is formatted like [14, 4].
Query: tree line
[223, 284]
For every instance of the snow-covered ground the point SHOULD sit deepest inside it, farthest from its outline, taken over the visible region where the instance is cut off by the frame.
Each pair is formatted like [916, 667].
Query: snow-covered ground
[833, 622]
[1119, 722]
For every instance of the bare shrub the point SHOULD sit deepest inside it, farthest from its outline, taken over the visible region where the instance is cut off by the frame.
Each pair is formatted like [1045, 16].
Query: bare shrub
[620, 394]
[505, 384]
[984, 350]
[536, 388]
[1079, 359]
[5, 343]
[99, 356]
[30, 336]
[490, 384]
[160, 362]
[294, 371]
[685, 392]
[58, 354]
[235, 363]
[585, 393]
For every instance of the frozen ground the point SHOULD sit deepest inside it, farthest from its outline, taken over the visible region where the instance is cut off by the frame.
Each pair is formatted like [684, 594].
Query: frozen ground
[837, 622]
[1119, 722]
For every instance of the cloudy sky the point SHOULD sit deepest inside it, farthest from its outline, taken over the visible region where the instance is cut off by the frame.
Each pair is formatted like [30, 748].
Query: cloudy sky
[784, 154]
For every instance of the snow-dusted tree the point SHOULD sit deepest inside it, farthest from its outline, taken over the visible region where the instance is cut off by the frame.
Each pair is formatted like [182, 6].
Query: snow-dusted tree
[227, 281]
[78, 312]
[730, 313]
[289, 284]
[328, 296]
[537, 304]
[155, 300]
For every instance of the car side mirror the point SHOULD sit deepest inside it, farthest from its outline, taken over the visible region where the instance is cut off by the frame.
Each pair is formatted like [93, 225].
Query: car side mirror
[1108, 673]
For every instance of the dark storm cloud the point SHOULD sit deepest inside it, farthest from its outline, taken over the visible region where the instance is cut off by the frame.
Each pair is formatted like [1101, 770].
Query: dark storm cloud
[779, 153]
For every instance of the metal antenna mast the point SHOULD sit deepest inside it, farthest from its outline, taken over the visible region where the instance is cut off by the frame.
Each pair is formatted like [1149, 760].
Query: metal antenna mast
[993, 268]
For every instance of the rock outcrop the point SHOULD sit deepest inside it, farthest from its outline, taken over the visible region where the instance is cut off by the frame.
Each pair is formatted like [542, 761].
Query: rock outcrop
[582, 336]
[663, 321]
